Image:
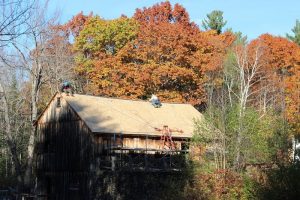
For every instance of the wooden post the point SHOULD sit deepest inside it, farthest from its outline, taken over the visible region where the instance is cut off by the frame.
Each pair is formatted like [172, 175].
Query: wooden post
[121, 152]
[146, 153]
[6, 164]
[114, 140]
[146, 143]
[113, 163]
[113, 157]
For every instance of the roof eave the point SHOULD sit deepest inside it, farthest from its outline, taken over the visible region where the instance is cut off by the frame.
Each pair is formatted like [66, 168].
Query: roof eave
[130, 134]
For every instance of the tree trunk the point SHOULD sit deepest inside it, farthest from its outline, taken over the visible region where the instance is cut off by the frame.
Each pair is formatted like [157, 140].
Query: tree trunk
[36, 82]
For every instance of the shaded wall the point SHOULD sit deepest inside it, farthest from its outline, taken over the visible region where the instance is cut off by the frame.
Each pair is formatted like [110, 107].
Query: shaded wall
[64, 152]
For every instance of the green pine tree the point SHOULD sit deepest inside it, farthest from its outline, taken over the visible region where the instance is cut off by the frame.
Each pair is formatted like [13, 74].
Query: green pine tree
[296, 31]
[214, 21]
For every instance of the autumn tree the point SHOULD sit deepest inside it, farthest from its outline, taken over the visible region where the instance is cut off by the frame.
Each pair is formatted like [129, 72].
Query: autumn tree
[256, 82]
[265, 71]
[229, 108]
[76, 24]
[169, 50]
[58, 61]
[214, 21]
[281, 70]
[246, 121]
[102, 37]
[99, 42]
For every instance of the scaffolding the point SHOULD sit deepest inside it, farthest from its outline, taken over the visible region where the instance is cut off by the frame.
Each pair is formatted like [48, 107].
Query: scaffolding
[168, 157]
[140, 159]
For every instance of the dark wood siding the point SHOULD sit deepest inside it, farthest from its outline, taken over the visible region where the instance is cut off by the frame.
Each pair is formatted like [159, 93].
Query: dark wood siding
[64, 153]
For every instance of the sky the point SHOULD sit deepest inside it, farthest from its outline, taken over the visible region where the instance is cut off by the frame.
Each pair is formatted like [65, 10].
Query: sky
[251, 17]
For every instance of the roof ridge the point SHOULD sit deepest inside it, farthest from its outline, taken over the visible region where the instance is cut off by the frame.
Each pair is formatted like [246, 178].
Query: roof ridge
[139, 100]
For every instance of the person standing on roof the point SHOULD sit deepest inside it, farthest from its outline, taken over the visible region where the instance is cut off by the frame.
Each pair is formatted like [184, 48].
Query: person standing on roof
[67, 88]
[155, 101]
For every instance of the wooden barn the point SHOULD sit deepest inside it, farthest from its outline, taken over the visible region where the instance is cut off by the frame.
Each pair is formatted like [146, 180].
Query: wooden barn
[80, 136]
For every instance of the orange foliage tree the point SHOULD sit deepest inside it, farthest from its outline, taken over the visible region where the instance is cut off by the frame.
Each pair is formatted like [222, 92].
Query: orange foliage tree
[281, 69]
[168, 55]
[76, 24]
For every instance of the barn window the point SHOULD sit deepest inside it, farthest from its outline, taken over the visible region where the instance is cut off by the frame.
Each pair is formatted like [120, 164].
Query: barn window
[58, 103]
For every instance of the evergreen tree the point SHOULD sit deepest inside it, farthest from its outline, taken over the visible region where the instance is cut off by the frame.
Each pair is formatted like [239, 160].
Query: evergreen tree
[296, 31]
[214, 21]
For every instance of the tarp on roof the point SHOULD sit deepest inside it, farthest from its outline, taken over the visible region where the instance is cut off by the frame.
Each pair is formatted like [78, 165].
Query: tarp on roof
[111, 115]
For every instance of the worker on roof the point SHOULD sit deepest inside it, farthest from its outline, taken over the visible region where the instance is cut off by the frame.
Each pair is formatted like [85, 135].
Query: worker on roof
[67, 88]
[155, 101]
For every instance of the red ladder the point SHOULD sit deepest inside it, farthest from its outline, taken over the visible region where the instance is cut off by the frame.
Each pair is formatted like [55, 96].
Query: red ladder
[166, 137]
